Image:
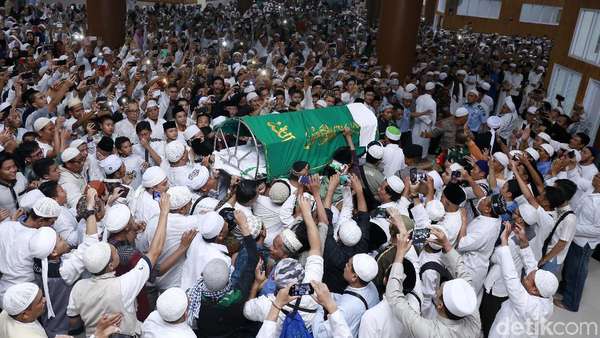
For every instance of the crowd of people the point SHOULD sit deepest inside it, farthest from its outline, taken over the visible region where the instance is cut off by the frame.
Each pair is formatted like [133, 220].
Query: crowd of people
[474, 211]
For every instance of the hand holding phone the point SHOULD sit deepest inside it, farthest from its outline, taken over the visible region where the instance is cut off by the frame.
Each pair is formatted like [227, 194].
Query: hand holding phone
[420, 235]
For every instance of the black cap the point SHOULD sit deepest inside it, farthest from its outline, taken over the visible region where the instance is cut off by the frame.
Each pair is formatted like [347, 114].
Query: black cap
[454, 193]
[169, 124]
[106, 144]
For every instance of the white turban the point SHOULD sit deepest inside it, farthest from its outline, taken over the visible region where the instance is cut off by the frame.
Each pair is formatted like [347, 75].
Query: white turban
[365, 267]
[41, 245]
[212, 224]
[153, 176]
[175, 151]
[97, 256]
[180, 196]
[116, 219]
[172, 304]
[501, 158]
[459, 297]
[349, 233]
[46, 207]
[19, 297]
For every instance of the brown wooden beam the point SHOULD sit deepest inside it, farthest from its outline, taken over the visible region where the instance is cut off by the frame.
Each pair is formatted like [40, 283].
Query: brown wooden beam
[106, 20]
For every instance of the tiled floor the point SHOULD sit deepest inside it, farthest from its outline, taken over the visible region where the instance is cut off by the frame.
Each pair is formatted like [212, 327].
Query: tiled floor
[589, 310]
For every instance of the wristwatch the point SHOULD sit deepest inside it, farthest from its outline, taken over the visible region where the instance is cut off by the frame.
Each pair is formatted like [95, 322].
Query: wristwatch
[88, 213]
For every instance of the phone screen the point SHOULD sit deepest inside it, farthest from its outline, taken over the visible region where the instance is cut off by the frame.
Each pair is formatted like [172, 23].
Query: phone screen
[301, 289]
[420, 235]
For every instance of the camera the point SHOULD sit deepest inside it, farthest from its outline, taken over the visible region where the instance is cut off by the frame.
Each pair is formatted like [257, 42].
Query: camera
[228, 216]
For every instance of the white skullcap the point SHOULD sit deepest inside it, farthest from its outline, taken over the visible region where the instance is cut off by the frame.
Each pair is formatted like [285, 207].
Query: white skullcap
[321, 104]
[279, 192]
[541, 68]
[198, 177]
[46, 207]
[407, 96]
[376, 151]
[338, 84]
[533, 153]
[532, 110]
[485, 86]
[153, 176]
[75, 101]
[19, 297]
[349, 233]
[76, 143]
[111, 164]
[435, 210]
[456, 167]
[212, 224]
[438, 183]
[494, 122]
[461, 72]
[175, 151]
[5, 105]
[172, 304]
[473, 91]
[528, 213]
[443, 76]
[395, 183]
[28, 199]
[251, 96]
[190, 132]
[545, 137]
[577, 155]
[459, 297]
[410, 88]
[202, 101]
[460, 112]
[41, 245]
[548, 149]
[392, 74]
[69, 154]
[40, 123]
[512, 65]
[364, 266]
[216, 274]
[501, 158]
[290, 241]
[429, 86]
[151, 104]
[96, 257]
[180, 196]
[546, 283]
[117, 217]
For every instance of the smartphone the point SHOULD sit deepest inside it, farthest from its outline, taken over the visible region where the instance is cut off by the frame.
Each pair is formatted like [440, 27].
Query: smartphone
[302, 289]
[304, 180]
[89, 82]
[125, 191]
[413, 175]
[571, 154]
[420, 235]
[381, 213]
[455, 175]
[156, 196]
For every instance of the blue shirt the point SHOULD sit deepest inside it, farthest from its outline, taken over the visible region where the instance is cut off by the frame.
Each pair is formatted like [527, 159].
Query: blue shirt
[544, 167]
[476, 117]
[404, 123]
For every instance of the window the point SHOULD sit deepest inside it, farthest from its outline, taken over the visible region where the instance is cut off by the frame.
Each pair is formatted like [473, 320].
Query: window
[564, 82]
[585, 44]
[479, 8]
[546, 15]
[441, 6]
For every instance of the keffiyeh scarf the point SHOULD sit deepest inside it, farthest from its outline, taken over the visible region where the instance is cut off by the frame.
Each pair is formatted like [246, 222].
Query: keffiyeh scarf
[198, 292]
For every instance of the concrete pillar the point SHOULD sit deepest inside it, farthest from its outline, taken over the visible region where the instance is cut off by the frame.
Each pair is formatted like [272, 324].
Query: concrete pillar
[106, 20]
[397, 36]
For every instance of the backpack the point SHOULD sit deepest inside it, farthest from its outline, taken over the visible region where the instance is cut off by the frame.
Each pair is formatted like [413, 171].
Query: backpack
[293, 325]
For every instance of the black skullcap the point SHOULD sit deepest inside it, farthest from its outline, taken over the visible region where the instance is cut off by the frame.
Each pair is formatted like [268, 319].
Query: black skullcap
[106, 144]
[454, 193]
[169, 124]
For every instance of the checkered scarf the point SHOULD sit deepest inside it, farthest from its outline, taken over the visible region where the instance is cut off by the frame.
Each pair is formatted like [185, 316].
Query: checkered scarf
[199, 291]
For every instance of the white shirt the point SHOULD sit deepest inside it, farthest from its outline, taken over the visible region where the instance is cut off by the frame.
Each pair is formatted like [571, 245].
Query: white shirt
[521, 307]
[476, 247]
[146, 207]
[10, 328]
[198, 255]
[73, 184]
[133, 166]
[16, 261]
[393, 160]
[177, 224]
[186, 176]
[268, 212]
[587, 230]
[588, 171]
[339, 327]
[565, 232]
[6, 198]
[46, 148]
[67, 227]
[157, 146]
[127, 129]
[157, 128]
[155, 327]
[380, 322]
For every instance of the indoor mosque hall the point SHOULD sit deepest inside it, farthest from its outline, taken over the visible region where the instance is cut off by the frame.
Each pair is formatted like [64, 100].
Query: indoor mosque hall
[299, 168]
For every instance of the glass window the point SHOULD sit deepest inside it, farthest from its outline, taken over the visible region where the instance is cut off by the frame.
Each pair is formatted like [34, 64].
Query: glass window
[541, 14]
[585, 44]
[480, 8]
[564, 82]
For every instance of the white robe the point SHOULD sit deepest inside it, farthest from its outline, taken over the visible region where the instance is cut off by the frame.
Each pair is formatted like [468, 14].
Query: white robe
[155, 327]
[425, 122]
